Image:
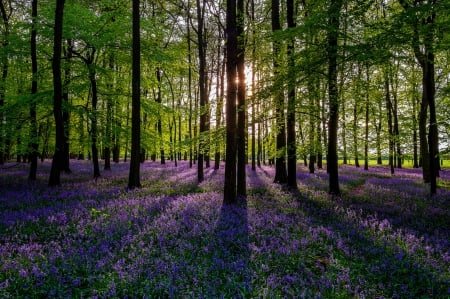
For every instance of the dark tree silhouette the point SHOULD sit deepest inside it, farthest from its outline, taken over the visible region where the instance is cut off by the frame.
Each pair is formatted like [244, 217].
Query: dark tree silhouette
[291, 142]
[55, 172]
[332, 38]
[231, 57]
[34, 88]
[134, 176]
[280, 157]
[241, 127]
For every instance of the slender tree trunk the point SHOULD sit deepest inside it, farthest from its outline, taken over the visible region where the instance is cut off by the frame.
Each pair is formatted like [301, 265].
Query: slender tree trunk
[201, 43]
[189, 84]
[34, 146]
[367, 108]
[159, 122]
[230, 196]
[55, 171]
[378, 131]
[396, 130]
[333, 94]
[220, 96]
[5, 13]
[389, 116]
[94, 121]
[291, 142]
[415, 100]
[66, 112]
[280, 156]
[241, 102]
[109, 120]
[134, 176]
[355, 132]
[312, 126]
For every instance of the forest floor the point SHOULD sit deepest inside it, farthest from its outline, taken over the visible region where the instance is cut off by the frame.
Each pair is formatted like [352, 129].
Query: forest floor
[384, 238]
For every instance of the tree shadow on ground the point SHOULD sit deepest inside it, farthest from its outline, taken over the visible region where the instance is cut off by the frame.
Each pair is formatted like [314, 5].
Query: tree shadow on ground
[376, 262]
[229, 273]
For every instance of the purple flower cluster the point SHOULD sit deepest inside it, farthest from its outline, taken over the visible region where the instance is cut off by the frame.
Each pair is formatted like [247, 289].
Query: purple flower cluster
[173, 238]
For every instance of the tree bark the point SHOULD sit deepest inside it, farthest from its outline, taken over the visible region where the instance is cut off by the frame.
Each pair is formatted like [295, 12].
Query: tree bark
[34, 88]
[134, 175]
[291, 142]
[231, 56]
[66, 112]
[389, 117]
[280, 156]
[55, 171]
[5, 13]
[333, 94]
[201, 43]
[241, 102]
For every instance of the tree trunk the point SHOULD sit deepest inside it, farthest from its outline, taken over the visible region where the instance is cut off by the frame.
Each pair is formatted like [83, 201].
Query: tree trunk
[366, 121]
[280, 155]
[355, 132]
[219, 108]
[291, 142]
[231, 60]
[34, 146]
[333, 94]
[5, 65]
[201, 42]
[389, 116]
[55, 172]
[241, 114]
[66, 112]
[415, 102]
[159, 122]
[134, 176]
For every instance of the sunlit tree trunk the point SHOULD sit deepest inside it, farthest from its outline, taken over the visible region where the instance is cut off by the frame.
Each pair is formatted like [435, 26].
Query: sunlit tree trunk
[241, 102]
[231, 60]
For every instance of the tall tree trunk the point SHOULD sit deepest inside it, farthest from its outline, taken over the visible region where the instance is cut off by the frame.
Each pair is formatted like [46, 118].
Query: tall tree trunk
[424, 53]
[230, 196]
[55, 171]
[189, 83]
[396, 130]
[415, 101]
[241, 114]
[201, 43]
[280, 156]
[355, 132]
[366, 120]
[6, 14]
[291, 142]
[159, 122]
[94, 121]
[378, 131]
[134, 176]
[389, 118]
[220, 96]
[333, 94]
[34, 88]
[109, 119]
[66, 112]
